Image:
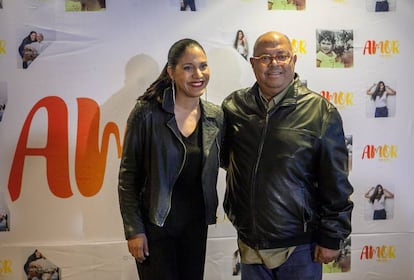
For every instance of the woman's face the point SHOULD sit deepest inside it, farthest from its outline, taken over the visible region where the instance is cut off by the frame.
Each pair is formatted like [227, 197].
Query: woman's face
[326, 46]
[381, 86]
[191, 74]
[33, 36]
[240, 35]
[380, 190]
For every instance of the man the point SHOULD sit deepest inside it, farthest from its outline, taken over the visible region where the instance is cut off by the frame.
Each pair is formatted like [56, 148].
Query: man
[286, 160]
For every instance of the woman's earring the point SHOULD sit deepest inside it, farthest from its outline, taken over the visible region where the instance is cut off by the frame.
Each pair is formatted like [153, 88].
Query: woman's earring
[173, 89]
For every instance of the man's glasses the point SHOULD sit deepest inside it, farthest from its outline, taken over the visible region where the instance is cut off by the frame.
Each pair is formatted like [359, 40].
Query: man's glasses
[266, 59]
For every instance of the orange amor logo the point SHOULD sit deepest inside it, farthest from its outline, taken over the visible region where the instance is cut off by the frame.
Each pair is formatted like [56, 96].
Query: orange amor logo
[381, 253]
[383, 152]
[90, 160]
[339, 98]
[386, 47]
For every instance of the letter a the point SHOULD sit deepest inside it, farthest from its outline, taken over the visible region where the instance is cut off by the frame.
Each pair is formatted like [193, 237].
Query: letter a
[55, 151]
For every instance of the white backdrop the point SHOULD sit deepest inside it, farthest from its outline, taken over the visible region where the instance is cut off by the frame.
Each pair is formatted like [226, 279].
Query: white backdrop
[60, 192]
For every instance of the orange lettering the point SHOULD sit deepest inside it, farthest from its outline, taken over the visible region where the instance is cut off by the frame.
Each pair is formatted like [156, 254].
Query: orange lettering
[368, 151]
[370, 47]
[365, 253]
[55, 151]
[90, 162]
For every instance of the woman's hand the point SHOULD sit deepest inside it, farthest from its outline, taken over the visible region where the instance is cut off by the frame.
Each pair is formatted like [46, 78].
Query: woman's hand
[138, 247]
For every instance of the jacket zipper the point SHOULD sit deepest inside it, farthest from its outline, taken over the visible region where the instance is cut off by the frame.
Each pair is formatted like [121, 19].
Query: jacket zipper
[305, 220]
[175, 179]
[254, 175]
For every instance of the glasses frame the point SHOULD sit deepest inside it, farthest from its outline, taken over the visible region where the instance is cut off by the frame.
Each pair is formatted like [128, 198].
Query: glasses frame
[272, 58]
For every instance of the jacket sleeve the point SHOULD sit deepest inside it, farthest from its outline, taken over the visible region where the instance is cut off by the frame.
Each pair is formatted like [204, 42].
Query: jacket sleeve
[131, 176]
[333, 185]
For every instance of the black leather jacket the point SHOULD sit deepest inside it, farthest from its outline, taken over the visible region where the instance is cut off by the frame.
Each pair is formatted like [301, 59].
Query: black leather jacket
[153, 155]
[287, 170]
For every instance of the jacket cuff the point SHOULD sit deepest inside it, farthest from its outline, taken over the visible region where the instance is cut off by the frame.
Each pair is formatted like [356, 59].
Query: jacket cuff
[131, 231]
[328, 242]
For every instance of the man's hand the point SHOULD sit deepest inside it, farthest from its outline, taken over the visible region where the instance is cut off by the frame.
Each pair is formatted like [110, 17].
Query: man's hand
[138, 247]
[325, 255]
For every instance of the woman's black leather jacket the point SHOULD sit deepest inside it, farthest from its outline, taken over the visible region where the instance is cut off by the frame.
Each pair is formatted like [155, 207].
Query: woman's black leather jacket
[153, 155]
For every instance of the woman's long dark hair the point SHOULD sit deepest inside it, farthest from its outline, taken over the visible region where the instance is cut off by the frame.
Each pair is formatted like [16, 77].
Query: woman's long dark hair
[156, 89]
[378, 91]
[376, 194]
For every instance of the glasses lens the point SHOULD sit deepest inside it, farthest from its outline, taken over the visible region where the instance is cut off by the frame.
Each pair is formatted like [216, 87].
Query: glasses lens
[282, 57]
[265, 59]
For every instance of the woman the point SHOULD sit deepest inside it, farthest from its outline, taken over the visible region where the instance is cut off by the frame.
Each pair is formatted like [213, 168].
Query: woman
[377, 198]
[379, 96]
[31, 38]
[240, 44]
[169, 167]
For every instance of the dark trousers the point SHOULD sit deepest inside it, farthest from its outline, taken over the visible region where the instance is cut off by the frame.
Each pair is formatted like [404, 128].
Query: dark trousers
[178, 256]
[299, 266]
[382, 6]
[190, 3]
[380, 214]
[381, 112]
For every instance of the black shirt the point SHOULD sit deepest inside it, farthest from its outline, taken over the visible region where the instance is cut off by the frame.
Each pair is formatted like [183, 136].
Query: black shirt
[187, 203]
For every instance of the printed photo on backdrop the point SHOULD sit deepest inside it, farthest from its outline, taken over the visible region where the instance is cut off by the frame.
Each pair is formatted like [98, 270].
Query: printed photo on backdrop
[32, 46]
[241, 44]
[3, 98]
[298, 5]
[381, 100]
[85, 5]
[334, 48]
[4, 214]
[379, 203]
[37, 266]
[381, 5]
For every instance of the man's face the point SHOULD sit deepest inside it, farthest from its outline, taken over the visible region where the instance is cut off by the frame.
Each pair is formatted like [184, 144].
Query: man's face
[273, 75]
